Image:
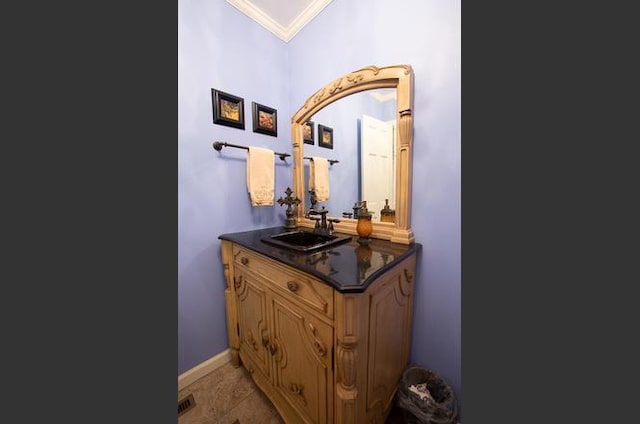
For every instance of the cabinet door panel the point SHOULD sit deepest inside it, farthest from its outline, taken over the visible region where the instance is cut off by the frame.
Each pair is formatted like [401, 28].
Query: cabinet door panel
[302, 361]
[389, 336]
[253, 321]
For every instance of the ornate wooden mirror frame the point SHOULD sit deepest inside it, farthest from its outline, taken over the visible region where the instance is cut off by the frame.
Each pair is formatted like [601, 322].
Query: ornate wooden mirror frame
[371, 77]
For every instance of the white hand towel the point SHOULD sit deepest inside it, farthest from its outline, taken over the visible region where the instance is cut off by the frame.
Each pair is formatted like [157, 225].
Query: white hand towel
[319, 178]
[260, 176]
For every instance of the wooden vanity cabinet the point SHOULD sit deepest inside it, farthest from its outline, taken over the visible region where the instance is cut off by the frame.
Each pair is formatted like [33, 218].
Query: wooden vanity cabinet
[320, 355]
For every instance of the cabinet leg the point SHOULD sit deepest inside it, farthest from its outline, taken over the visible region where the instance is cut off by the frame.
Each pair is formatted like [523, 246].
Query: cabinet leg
[235, 357]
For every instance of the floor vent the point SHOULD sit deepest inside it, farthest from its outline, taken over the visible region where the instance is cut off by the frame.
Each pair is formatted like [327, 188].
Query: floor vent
[185, 404]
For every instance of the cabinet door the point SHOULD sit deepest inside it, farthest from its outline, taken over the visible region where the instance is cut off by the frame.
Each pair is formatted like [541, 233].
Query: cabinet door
[390, 311]
[303, 361]
[252, 321]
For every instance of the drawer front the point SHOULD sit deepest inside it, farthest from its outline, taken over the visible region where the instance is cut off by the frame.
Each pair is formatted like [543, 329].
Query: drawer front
[294, 284]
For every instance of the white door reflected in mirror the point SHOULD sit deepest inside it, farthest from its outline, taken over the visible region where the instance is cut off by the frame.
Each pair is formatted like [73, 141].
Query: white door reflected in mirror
[377, 147]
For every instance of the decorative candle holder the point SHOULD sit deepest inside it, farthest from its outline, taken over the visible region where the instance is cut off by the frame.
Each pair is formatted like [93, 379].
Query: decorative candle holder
[290, 222]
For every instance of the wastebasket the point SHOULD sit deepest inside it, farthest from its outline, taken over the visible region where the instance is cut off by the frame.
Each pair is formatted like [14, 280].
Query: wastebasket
[425, 398]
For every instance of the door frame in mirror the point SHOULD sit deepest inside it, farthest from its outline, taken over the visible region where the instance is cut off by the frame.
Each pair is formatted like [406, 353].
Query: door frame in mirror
[399, 77]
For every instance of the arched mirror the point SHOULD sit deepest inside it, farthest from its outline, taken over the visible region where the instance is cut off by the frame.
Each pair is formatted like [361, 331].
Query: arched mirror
[369, 113]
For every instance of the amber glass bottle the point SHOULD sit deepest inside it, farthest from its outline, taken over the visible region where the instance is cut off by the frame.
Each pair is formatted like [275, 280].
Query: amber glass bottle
[364, 227]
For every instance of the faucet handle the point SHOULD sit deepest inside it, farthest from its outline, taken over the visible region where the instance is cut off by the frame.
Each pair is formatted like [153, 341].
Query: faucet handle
[331, 221]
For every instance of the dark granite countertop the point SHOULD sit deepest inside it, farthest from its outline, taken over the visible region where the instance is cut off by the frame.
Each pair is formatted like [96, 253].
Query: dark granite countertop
[348, 267]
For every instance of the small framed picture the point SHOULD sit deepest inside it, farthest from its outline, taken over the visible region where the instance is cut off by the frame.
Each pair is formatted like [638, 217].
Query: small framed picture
[325, 136]
[308, 132]
[265, 119]
[227, 109]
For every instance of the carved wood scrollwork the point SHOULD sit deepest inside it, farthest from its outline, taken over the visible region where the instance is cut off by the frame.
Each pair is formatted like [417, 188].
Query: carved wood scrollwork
[241, 287]
[316, 98]
[408, 276]
[265, 337]
[237, 283]
[347, 359]
[336, 86]
[225, 269]
[275, 351]
[317, 343]
[404, 291]
[354, 79]
[252, 340]
[296, 389]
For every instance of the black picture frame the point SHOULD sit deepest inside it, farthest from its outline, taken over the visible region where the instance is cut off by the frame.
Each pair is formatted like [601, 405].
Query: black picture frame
[228, 109]
[308, 133]
[325, 136]
[265, 119]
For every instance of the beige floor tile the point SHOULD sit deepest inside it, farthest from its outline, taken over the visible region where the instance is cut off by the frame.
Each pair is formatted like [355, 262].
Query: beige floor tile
[229, 394]
[216, 394]
[254, 409]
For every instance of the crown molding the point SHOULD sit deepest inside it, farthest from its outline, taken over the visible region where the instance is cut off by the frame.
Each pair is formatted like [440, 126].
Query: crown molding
[284, 33]
[305, 17]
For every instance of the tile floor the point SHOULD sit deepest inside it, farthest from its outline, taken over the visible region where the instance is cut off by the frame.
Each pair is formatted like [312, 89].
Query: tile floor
[228, 395]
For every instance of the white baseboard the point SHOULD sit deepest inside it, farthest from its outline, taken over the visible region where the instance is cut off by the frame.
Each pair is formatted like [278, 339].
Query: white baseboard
[203, 369]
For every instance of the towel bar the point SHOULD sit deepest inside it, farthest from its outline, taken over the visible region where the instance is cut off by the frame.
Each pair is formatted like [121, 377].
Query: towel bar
[218, 145]
[331, 161]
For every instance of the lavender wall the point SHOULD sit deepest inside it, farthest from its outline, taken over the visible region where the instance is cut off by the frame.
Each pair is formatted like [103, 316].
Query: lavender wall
[352, 34]
[219, 47]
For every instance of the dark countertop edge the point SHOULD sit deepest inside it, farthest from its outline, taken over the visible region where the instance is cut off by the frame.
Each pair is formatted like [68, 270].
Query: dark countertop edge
[411, 248]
